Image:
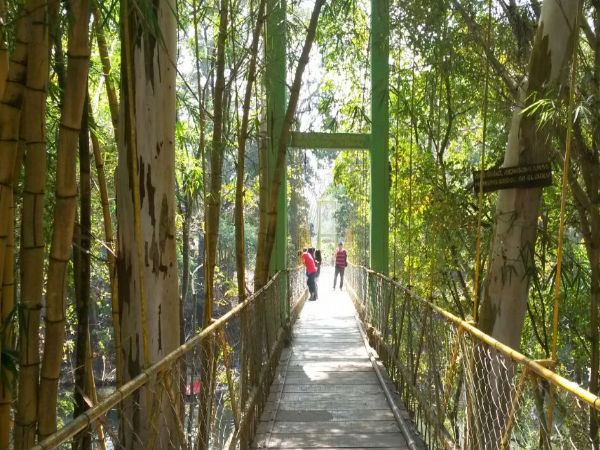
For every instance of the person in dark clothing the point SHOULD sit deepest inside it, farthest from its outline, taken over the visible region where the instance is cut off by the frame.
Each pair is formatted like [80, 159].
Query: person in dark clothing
[318, 260]
[312, 252]
[341, 261]
[311, 272]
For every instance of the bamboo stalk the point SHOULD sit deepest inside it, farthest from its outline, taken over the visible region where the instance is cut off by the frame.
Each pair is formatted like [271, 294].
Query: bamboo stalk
[7, 335]
[513, 410]
[91, 382]
[451, 370]
[113, 102]
[234, 406]
[3, 50]
[176, 411]
[10, 116]
[32, 236]
[64, 215]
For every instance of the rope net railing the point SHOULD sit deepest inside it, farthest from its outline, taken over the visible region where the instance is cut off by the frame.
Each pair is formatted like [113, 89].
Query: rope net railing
[208, 393]
[463, 388]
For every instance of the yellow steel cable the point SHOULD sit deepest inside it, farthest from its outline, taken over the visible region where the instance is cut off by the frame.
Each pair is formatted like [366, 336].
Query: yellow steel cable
[435, 226]
[395, 179]
[563, 197]
[513, 410]
[410, 174]
[482, 167]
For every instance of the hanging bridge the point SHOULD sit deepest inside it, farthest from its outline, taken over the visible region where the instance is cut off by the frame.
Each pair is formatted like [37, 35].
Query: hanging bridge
[375, 366]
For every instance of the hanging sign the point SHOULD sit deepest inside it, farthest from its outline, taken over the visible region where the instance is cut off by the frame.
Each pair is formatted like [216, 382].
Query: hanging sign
[527, 176]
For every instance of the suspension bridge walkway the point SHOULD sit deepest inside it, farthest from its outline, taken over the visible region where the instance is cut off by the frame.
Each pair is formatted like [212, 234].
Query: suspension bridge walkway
[326, 392]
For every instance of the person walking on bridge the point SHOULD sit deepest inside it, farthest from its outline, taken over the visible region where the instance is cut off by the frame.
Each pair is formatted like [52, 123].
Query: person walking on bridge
[311, 272]
[313, 253]
[341, 261]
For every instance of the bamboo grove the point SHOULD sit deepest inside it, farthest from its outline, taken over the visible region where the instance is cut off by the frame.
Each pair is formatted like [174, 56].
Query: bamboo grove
[134, 206]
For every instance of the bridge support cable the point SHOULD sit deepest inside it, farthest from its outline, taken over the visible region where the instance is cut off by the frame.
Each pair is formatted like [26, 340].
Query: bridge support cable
[561, 228]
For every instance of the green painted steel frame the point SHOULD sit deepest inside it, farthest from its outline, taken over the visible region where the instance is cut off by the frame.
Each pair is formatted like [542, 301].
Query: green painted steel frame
[330, 141]
[377, 141]
[275, 78]
[380, 169]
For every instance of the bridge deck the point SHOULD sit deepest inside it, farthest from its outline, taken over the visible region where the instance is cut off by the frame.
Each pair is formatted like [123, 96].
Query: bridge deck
[326, 393]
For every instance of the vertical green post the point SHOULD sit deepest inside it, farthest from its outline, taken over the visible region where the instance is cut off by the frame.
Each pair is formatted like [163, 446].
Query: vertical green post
[319, 206]
[380, 176]
[275, 77]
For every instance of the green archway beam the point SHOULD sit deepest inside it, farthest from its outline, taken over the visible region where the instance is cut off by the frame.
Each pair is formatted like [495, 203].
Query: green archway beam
[330, 141]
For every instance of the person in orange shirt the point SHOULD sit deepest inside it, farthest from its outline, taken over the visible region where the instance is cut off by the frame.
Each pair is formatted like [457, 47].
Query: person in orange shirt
[311, 273]
[313, 253]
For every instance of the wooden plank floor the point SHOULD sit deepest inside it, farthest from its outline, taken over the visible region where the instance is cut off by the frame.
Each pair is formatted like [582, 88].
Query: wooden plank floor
[326, 393]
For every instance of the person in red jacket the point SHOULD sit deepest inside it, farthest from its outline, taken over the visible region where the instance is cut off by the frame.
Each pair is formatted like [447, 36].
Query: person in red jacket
[311, 273]
[341, 261]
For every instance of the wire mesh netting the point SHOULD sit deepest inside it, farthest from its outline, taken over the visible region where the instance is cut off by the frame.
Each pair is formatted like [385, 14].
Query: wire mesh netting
[463, 388]
[208, 393]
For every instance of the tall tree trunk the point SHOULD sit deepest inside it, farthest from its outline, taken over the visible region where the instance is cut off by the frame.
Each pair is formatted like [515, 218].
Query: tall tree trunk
[593, 248]
[110, 243]
[185, 250]
[263, 256]
[263, 196]
[113, 102]
[147, 262]
[216, 166]
[64, 213]
[32, 219]
[201, 151]
[213, 209]
[240, 256]
[506, 286]
[81, 272]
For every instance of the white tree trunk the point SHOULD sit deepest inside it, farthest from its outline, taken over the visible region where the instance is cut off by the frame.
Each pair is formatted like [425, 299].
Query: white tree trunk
[506, 286]
[147, 132]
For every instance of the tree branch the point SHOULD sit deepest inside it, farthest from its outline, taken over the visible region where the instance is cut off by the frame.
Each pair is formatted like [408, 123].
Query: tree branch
[474, 30]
